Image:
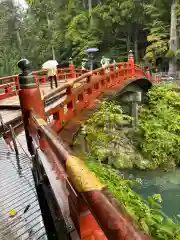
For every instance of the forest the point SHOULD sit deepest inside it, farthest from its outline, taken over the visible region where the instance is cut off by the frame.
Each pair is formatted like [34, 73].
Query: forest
[64, 29]
[61, 29]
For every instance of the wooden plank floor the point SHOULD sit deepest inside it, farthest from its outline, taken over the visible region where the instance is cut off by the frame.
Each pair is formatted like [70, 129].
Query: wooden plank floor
[18, 193]
[10, 107]
[9, 115]
[14, 100]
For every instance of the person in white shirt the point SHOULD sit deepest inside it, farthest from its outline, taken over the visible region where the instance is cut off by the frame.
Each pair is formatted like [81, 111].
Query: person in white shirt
[103, 61]
[84, 65]
[52, 75]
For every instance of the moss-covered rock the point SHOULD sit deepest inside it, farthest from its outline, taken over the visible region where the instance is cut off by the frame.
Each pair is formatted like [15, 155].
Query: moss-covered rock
[122, 161]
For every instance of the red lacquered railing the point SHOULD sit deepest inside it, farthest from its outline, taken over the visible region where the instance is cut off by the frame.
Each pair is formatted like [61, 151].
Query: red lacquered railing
[80, 196]
[10, 84]
[81, 92]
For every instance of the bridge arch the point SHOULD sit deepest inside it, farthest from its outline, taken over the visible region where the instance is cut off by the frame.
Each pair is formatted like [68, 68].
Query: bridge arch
[122, 88]
[142, 85]
[131, 95]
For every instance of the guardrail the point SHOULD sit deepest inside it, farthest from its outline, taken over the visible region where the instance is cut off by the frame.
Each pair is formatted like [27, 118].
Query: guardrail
[88, 87]
[92, 197]
[10, 84]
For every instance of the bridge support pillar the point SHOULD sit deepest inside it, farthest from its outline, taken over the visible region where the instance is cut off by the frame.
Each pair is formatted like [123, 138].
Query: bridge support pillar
[135, 107]
[83, 140]
[30, 98]
[130, 104]
[135, 110]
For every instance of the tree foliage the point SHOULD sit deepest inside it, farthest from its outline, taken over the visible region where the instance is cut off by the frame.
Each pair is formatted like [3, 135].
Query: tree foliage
[117, 27]
[148, 215]
[155, 143]
[160, 126]
[103, 131]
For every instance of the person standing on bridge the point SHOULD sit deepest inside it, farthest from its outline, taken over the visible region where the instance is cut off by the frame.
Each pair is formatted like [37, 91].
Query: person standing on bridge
[103, 61]
[84, 65]
[52, 76]
[51, 67]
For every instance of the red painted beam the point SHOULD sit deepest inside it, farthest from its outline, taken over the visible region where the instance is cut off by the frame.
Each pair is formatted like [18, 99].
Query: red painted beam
[108, 212]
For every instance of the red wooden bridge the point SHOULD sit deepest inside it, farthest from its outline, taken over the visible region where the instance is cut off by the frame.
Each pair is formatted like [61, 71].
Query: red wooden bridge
[74, 203]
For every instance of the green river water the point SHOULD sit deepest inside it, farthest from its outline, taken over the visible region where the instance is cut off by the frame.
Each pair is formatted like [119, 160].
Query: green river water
[165, 183]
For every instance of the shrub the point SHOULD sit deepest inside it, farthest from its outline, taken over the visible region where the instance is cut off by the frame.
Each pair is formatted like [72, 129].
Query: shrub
[147, 214]
[169, 54]
[159, 126]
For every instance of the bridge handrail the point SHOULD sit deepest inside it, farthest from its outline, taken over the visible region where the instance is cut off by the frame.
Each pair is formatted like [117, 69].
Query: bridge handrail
[76, 69]
[86, 75]
[8, 91]
[38, 72]
[76, 98]
[109, 213]
[8, 77]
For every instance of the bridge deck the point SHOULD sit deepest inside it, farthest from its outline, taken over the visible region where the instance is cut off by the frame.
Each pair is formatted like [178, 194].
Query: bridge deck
[18, 193]
[13, 101]
[10, 107]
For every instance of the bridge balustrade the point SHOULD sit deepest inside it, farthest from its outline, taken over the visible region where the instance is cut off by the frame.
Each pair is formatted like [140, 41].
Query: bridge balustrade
[88, 87]
[9, 85]
[97, 211]
[73, 193]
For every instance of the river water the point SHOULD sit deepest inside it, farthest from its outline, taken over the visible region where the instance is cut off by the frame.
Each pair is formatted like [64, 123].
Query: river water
[159, 182]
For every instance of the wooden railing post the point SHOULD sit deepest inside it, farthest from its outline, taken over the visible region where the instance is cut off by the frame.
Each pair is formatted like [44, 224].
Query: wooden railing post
[17, 82]
[30, 98]
[131, 61]
[72, 68]
[100, 213]
[148, 74]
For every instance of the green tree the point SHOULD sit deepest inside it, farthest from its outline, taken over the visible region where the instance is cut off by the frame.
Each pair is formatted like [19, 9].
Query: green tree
[159, 127]
[173, 43]
[62, 28]
[9, 45]
[158, 27]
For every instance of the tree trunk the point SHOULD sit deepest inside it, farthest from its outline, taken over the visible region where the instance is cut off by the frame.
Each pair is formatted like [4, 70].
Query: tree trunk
[128, 44]
[173, 43]
[84, 4]
[20, 43]
[90, 12]
[136, 46]
[50, 32]
[53, 53]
